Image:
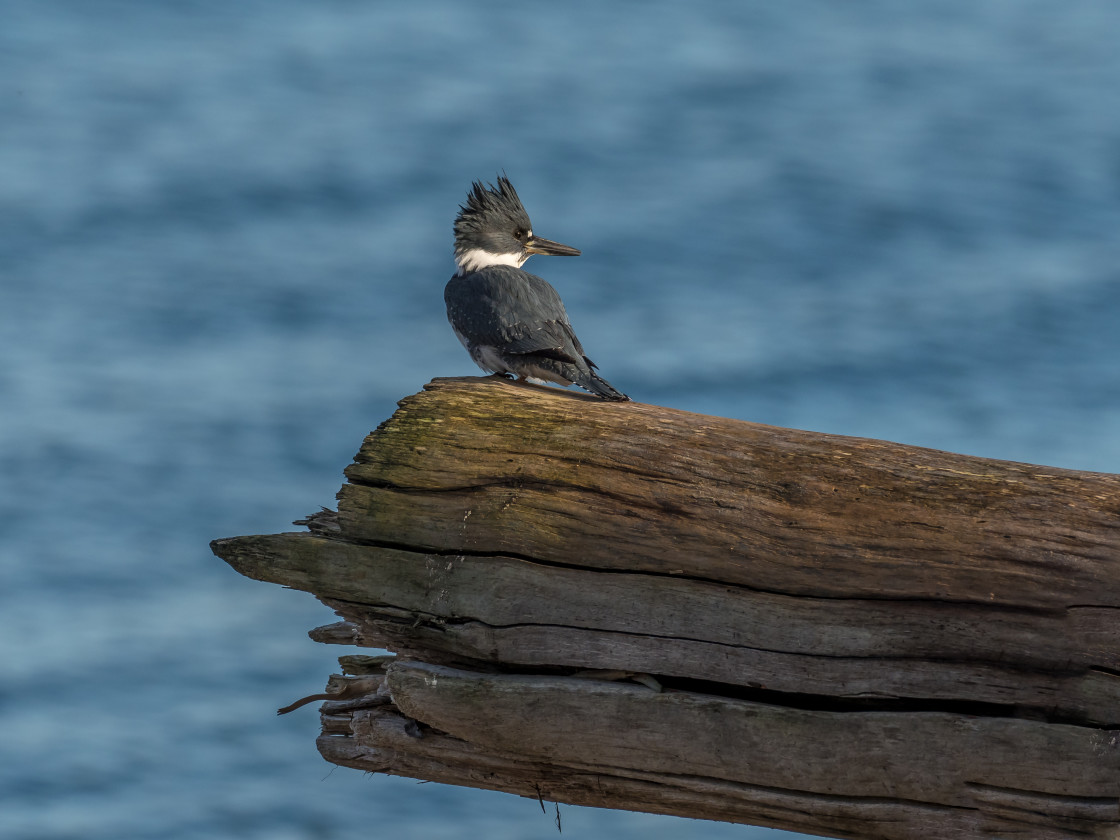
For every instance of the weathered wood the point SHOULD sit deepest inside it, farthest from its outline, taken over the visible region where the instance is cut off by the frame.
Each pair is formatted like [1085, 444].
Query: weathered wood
[491, 468]
[856, 638]
[534, 736]
[377, 740]
[698, 630]
[565, 720]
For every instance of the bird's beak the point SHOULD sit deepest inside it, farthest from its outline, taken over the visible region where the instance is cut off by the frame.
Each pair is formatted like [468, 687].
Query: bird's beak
[536, 245]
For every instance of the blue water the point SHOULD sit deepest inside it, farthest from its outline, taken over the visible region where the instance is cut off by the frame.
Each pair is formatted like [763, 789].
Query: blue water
[224, 234]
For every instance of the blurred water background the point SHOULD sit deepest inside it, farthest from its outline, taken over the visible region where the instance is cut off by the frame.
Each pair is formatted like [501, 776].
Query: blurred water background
[224, 235]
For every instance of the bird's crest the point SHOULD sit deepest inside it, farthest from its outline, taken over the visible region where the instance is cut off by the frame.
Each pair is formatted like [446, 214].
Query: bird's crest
[490, 207]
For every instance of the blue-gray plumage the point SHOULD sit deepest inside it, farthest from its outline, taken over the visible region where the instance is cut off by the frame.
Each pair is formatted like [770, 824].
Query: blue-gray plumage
[511, 321]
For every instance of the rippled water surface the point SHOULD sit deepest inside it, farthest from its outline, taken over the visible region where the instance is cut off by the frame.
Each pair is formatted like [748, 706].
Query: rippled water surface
[224, 234]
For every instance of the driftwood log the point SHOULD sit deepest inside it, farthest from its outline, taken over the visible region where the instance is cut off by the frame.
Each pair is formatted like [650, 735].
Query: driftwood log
[628, 606]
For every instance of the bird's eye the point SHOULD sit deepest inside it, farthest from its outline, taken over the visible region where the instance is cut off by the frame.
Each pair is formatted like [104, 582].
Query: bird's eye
[519, 234]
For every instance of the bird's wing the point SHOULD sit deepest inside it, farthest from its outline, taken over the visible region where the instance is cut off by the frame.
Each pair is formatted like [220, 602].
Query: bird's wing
[506, 307]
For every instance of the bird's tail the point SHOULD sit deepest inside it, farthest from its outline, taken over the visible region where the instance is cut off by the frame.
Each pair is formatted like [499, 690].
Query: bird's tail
[569, 372]
[597, 385]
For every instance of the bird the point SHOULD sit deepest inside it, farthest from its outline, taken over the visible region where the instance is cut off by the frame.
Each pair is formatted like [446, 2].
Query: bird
[510, 321]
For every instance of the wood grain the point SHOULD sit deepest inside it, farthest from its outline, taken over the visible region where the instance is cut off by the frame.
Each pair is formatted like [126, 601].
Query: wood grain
[557, 748]
[856, 638]
[482, 610]
[488, 466]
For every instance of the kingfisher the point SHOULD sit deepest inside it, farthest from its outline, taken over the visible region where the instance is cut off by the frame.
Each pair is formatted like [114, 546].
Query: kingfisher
[511, 321]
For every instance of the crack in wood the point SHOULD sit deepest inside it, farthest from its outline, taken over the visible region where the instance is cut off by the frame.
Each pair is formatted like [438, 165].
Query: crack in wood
[993, 606]
[522, 483]
[796, 700]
